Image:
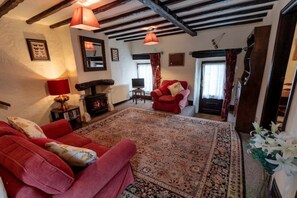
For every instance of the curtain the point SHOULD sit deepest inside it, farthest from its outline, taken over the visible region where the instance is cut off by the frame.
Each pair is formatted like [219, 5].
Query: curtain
[213, 80]
[145, 71]
[156, 69]
[197, 84]
[231, 57]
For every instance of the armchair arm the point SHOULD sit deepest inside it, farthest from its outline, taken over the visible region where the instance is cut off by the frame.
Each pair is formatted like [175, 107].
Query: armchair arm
[57, 129]
[156, 94]
[181, 95]
[97, 175]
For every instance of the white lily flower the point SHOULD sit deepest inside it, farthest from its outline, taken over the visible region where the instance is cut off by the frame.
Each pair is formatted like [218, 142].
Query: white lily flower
[282, 135]
[283, 164]
[274, 127]
[258, 129]
[288, 147]
[259, 141]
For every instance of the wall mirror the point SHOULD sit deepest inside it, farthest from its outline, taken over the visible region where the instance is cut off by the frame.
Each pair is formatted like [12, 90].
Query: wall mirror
[93, 54]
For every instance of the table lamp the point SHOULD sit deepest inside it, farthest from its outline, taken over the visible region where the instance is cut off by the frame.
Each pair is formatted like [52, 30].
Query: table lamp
[59, 87]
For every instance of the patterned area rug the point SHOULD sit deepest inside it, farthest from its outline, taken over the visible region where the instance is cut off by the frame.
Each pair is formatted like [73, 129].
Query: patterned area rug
[176, 156]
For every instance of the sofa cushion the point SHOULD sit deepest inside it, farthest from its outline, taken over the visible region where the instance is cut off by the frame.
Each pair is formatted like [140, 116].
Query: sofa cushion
[167, 99]
[74, 139]
[175, 88]
[35, 166]
[98, 148]
[42, 141]
[29, 128]
[74, 156]
[6, 129]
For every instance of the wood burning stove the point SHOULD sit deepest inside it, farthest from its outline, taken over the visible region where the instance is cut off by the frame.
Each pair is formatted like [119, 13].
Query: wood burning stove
[96, 103]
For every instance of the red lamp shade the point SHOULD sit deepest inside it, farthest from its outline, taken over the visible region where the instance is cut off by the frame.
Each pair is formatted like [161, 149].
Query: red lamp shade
[151, 39]
[58, 86]
[84, 18]
[89, 46]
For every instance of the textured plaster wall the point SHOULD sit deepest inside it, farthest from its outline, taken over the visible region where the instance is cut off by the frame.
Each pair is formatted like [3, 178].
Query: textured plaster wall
[22, 81]
[235, 37]
[125, 69]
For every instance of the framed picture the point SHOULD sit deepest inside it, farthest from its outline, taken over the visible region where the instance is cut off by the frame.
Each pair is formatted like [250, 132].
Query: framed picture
[38, 50]
[177, 59]
[114, 54]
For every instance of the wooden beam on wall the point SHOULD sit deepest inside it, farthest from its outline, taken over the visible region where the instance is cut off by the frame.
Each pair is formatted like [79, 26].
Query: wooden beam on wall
[9, 5]
[50, 11]
[213, 53]
[165, 12]
[102, 8]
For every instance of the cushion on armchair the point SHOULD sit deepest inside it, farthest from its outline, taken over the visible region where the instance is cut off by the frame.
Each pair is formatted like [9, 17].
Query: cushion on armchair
[175, 88]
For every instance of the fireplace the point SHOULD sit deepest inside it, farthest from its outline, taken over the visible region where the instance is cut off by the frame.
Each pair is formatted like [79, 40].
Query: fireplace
[95, 103]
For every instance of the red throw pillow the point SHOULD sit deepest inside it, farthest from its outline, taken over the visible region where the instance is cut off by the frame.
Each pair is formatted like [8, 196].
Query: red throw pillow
[6, 129]
[35, 166]
[164, 87]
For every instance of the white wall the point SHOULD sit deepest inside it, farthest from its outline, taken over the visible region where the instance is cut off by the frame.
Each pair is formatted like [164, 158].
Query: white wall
[125, 69]
[235, 37]
[22, 81]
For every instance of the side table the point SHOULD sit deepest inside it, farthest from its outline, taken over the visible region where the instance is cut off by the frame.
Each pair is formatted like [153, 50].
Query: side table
[138, 93]
[72, 114]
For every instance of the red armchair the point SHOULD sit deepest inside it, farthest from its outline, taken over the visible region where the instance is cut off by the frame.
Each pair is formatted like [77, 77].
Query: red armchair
[163, 100]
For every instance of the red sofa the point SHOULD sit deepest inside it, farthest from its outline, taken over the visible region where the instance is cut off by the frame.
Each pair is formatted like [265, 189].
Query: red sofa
[28, 170]
[163, 100]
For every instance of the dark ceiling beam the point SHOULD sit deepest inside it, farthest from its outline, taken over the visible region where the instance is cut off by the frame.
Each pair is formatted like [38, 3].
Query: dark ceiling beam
[50, 11]
[205, 28]
[223, 21]
[201, 13]
[222, 15]
[169, 34]
[102, 8]
[137, 11]
[159, 32]
[197, 5]
[230, 24]
[9, 5]
[165, 12]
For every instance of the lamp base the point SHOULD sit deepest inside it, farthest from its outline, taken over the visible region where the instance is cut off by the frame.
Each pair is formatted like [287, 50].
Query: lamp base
[62, 99]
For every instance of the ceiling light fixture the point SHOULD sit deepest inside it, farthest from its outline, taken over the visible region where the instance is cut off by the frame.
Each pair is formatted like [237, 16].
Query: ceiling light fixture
[84, 18]
[151, 38]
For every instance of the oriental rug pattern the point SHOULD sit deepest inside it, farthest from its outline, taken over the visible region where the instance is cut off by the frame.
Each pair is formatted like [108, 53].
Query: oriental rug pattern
[176, 156]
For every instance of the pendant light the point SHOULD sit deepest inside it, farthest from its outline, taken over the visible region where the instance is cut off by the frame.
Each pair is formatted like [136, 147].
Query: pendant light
[151, 38]
[84, 18]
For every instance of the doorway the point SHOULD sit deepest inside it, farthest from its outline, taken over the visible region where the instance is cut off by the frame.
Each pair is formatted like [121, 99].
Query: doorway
[281, 54]
[212, 87]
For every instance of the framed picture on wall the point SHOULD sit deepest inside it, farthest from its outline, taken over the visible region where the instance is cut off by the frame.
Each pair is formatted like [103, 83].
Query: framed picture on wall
[38, 50]
[114, 54]
[177, 59]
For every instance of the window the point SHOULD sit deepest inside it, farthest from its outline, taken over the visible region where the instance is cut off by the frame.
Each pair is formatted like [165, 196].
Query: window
[144, 70]
[213, 79]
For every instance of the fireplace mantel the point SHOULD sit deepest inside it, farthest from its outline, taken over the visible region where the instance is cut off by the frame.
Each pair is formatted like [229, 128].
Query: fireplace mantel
[92, 84]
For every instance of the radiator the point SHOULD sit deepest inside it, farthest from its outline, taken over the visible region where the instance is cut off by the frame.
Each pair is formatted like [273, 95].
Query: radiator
[119, 93]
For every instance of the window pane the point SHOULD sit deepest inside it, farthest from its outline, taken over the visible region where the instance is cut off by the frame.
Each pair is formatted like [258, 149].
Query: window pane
[213, 80]
[145, 71]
